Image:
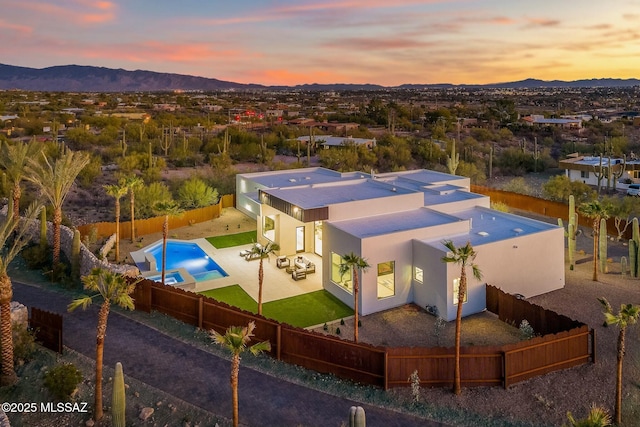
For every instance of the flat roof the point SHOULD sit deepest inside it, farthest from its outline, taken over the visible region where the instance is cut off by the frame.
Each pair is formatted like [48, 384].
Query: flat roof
[315, 196]
[435, 197]
[379, 225]
[488, 226]
[296, 177]
[423, 176]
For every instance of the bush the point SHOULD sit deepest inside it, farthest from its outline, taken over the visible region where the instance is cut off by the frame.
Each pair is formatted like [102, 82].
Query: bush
[526, 330]
[37, 257]
[62, 380]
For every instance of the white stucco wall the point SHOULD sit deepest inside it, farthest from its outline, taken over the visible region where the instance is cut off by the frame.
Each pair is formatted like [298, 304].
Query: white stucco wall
[529, 265]
[369, 207]
[341, 243]
[437, 287]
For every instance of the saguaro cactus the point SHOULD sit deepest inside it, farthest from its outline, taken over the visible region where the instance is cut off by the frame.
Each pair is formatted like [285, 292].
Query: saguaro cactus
[75, 255]
[633, 248]
[571, 232]
[453, 160]
[118, 400]
[43, 228]
[603, 243]
[357, 417]
[623, 266]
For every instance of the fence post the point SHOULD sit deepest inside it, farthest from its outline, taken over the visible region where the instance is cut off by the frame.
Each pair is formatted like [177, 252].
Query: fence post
[505, 381]
[200, 310]
[278, 341]
[593, 345]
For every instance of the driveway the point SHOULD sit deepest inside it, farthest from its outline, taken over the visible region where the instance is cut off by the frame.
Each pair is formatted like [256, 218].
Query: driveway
[202, 378]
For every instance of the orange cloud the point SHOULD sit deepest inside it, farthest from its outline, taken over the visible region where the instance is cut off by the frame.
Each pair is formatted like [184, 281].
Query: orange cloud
[76, 11]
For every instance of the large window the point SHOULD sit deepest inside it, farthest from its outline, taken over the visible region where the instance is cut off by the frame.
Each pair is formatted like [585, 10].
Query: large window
[269, 227]
[456, 288]
[386, 279]
[345, 280]
[418, 274]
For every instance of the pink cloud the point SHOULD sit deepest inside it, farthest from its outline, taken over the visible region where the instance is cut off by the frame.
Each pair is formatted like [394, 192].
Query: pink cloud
[24, 29]
[75, 11]
[542, 22]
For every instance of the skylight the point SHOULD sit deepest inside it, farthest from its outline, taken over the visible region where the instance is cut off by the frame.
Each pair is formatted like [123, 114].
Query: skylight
[483, 233]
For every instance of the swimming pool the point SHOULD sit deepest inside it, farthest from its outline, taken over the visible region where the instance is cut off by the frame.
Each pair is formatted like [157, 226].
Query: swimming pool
[180, 254]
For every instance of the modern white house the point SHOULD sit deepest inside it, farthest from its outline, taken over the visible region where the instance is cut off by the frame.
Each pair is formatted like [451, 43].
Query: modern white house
[398, 222]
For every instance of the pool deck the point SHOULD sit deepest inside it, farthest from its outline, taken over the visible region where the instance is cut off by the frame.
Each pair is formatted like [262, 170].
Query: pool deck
[278, 284]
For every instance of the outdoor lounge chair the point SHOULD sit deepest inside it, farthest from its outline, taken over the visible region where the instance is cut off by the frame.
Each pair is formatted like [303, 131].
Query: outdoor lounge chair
[298, 275]
[283, 261]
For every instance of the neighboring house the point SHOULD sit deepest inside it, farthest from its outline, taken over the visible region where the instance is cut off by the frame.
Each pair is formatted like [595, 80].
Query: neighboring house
[587, 169]
[397, 222]
[328, 141]
[538, 120]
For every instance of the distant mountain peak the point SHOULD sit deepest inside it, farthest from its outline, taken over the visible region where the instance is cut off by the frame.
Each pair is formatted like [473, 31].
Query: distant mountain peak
[85, 78]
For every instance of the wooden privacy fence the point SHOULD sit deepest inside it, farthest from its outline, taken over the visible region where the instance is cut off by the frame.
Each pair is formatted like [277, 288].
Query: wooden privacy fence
[542, 207]
[154, 225]
[47, 327]
[566, 343]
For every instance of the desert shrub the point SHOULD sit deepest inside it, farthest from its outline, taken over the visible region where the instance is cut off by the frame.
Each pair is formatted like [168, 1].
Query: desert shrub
[62, 380]
[195, 193]
[526, 330]
[37, 257]
[414, 379]
[517, 185]
[500, 207]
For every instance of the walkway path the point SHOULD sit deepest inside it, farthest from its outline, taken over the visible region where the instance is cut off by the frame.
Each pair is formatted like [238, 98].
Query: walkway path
[202, 378]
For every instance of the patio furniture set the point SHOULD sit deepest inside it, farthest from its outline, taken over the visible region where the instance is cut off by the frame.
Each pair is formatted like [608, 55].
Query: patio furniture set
[299, 269]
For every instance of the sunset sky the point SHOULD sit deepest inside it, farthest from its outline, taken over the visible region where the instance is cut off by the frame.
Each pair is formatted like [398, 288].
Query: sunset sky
[289, 42]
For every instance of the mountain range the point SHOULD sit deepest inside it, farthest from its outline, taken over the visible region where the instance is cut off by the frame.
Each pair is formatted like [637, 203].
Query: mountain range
[79, 78]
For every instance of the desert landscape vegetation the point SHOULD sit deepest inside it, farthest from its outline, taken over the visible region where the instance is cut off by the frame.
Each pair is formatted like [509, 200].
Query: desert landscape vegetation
[188, 153]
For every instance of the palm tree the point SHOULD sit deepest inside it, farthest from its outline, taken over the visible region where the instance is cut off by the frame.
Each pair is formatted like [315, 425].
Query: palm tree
[112, 288]
[236, 339]
[596, 211]
[55, 179]
[13, 238]
[598, 417]
[628, 315]
[463, 256]
[132, 182]
[117, 191]
[167, 208]
[262, 252]
[355, 264]
[14, 159]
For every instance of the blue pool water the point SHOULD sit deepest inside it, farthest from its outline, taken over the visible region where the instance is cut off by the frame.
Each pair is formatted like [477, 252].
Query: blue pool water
[189, 256]
[171, 278]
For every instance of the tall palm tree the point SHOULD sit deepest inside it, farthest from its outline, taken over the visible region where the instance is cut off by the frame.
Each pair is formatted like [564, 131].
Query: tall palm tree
[112, 288]
[628, 315]
[236, 339]
[167, 208]
[13, 238]
[55, 178]
[133, 183]
[13, 160]
[355, 264]
[262, 252]
[595, 210]
[463, 256]
[117, 191]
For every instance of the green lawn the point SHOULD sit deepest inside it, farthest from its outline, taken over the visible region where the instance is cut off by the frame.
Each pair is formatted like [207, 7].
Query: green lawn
[310, 309]
[230, 240]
